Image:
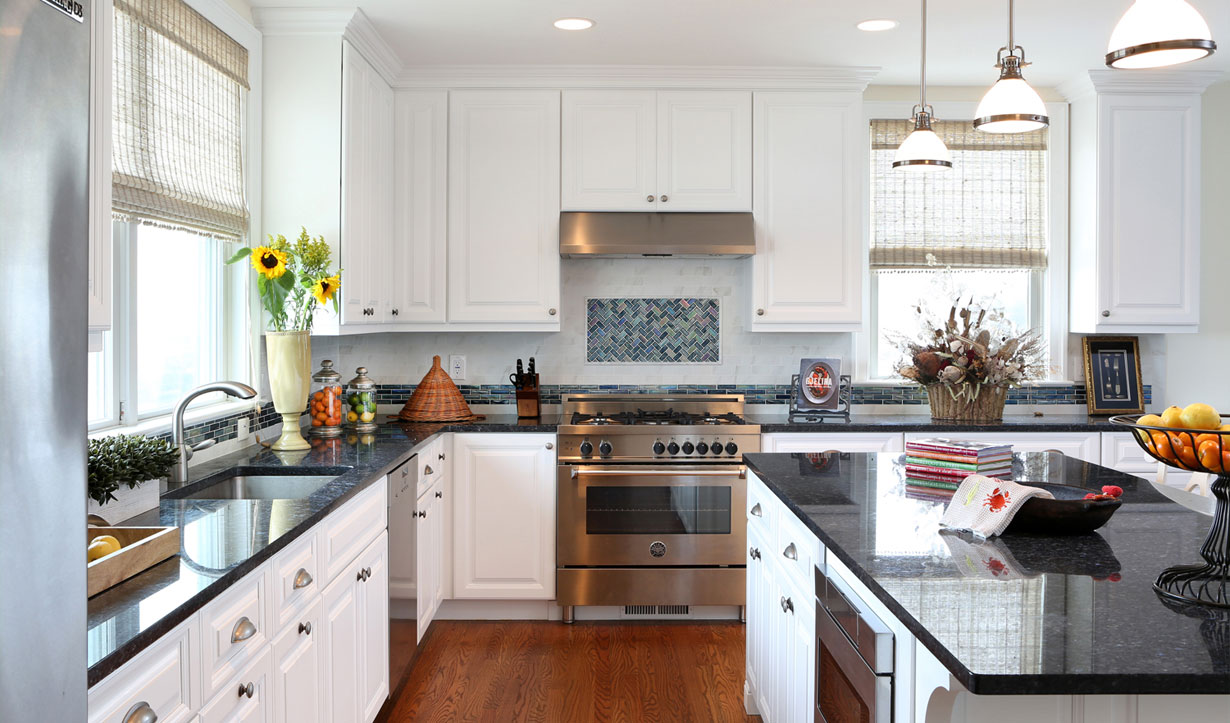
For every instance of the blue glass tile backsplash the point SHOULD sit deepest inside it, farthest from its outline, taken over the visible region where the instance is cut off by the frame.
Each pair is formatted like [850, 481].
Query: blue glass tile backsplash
[653, 331]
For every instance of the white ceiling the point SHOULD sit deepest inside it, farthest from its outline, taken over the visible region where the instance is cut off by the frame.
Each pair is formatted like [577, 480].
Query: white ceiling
[1061, 37]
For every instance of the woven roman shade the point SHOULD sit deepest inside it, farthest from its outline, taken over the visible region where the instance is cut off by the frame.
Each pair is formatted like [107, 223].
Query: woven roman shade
[988, 212]
[180, 85]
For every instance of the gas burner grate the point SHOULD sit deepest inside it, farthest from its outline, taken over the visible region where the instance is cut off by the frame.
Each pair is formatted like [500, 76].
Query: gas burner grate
[657, 418]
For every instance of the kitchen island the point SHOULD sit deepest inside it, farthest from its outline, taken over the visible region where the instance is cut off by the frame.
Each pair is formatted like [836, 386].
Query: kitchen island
[1012, 628]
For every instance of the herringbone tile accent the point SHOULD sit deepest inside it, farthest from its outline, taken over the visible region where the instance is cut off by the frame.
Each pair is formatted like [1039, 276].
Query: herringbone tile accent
[653, 331]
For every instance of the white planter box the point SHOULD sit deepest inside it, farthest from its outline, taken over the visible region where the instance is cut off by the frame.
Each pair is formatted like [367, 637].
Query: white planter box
[127, 502]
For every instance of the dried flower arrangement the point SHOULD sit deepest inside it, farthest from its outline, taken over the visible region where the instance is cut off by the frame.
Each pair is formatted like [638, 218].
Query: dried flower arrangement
[975, 347]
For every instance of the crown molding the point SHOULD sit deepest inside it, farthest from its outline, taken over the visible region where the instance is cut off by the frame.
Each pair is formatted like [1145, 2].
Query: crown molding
[852, 79]
[1153, 82]
[362, 34]
[302, 21]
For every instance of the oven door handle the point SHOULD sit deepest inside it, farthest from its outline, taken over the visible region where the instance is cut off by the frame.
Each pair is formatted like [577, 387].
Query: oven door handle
[741, 473]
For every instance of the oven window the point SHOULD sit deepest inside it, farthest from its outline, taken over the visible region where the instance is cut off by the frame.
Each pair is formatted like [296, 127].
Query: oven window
[838, 701]
[666, 510]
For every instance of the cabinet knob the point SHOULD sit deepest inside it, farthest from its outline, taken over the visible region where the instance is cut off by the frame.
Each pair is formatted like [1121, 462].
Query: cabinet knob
[664, 199]
[305, 628]
[760, 312]
[441, 455]
[247, 690]
[550, 446]
[787, 605]
[790, 552]
[551, 311]
[141, 713]
[753, 553]
[302, 579]
[359, 576]
[1105, 313]
[649, 198]
[243, 630]
[367, 573]
[394, 312]
[422, 513]
[439, 494]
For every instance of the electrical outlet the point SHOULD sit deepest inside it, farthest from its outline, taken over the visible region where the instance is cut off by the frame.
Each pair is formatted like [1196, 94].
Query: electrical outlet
[457, 367]
[242, 431]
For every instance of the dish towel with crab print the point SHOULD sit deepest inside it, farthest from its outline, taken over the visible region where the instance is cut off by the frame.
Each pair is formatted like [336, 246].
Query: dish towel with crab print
[985, 505]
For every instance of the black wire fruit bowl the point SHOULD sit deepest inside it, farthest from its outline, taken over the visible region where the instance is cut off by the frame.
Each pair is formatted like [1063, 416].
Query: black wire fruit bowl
[1194, 450]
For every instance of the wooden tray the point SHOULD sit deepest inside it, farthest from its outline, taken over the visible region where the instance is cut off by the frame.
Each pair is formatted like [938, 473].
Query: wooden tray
[1068, 514]
[143, 547]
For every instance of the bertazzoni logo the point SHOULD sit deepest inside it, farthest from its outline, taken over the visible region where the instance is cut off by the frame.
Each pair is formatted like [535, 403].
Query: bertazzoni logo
[72, 8]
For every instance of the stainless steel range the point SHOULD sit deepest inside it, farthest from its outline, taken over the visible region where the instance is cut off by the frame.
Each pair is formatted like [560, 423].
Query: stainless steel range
[651, 492]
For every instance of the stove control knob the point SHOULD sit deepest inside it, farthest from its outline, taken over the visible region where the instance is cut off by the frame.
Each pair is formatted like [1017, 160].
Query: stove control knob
[731, 448]
[604, 448]
[659, 448]
[717, 447]
[702, 448]
[688, 448]
[672, 448]
[587, 448]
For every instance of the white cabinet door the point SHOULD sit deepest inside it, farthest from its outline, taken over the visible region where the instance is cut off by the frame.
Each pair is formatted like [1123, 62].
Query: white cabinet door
[807, 164]
[504, 516]
[429, 557]
[1082, 445]
[609, 150]
[759, 620]
[503, 185]
[341, 644]
[798, 651]
[298, 673]
[420, 242]
[374, 628]
[839, 441]
[704, 151]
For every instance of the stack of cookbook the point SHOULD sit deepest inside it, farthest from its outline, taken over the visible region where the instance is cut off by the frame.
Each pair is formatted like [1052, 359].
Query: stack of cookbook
[937, 466]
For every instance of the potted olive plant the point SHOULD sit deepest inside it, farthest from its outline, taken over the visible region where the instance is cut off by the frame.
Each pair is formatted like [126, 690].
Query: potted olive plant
[123, 474]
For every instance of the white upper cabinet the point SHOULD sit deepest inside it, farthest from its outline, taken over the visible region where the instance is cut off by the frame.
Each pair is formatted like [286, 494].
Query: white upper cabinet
[1135, 212]
[631, 150]
[420, 207]
[609, 150]
[808, 160]
[503, 207]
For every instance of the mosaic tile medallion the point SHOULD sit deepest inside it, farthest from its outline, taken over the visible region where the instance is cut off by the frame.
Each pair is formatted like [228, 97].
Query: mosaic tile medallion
[653, 331]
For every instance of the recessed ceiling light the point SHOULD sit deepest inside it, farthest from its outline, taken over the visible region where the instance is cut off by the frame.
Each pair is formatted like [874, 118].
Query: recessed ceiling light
[875, 26]
[574, 23]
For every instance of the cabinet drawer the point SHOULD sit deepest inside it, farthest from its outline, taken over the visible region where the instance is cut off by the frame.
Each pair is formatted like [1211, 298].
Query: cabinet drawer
[761, 507]
[347, 531]
[1121, 452]
[294, 578]
[796, 549]
[247, 696]
[430, 465]
[234, 630]
[163, 677]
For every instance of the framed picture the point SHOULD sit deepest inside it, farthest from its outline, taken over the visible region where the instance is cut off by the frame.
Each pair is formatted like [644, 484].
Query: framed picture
[1112, 375]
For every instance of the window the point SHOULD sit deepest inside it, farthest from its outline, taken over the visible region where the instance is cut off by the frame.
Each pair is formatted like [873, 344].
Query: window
[978, 230]
[179, 110]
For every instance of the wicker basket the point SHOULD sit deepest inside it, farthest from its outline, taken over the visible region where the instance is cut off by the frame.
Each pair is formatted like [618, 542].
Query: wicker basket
[988, 406]
[436, 399]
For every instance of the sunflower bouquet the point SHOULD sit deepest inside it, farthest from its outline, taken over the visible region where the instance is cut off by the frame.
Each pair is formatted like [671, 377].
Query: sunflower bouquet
[293, 278]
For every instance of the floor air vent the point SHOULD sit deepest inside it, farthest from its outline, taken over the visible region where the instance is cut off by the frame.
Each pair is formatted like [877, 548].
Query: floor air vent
[657, 611]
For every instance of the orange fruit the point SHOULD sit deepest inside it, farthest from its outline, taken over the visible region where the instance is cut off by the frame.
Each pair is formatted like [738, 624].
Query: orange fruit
[1211, 460]
[1202, 438]
[1187, 456]
[318, 395]
[1161, 445]
[317, 423]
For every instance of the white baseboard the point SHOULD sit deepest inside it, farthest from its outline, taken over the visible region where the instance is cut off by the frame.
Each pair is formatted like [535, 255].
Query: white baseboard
[550, 610]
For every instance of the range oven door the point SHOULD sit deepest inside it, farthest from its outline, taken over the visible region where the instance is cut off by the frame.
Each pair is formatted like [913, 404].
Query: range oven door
[624, 515]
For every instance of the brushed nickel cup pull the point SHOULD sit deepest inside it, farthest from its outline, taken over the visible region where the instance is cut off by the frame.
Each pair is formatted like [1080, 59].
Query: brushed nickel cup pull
[664, 199]
[243, 630]
[305, 628]
[790, 552]
[756, 510]
[427, 469]
[302, 579]
[141, 713]
[247, 690]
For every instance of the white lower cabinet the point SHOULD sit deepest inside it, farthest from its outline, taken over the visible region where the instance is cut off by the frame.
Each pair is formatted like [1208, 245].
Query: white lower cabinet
[838, 441]
[298, 682]
[430, 549]
[504, 516]
[356, 637]
[248, 698]
[162, 679]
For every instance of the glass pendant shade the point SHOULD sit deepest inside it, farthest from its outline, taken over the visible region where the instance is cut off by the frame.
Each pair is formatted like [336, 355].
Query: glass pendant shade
[1157, 33]
[1011, 106]
[922, 150]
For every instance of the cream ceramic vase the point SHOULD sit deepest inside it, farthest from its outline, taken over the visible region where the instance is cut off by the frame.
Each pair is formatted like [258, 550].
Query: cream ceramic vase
[288, 355]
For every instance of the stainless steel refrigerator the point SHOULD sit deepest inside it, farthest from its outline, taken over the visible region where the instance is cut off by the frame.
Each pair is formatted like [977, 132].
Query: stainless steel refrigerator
[44, 134]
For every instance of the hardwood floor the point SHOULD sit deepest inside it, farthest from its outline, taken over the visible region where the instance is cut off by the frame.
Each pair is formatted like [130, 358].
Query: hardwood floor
[548, 671]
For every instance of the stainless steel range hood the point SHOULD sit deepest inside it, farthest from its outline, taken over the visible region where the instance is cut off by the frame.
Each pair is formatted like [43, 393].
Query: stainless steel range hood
[683, 235]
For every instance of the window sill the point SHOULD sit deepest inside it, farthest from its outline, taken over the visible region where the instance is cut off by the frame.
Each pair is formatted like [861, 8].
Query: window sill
[194, 415]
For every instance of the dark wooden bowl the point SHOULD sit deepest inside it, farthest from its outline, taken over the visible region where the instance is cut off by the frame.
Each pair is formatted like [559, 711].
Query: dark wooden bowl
[1068, 514]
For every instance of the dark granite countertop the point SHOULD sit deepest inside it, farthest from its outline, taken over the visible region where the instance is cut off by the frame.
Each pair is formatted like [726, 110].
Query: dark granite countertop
[1019, 614]
[223, 540]
[771, 422]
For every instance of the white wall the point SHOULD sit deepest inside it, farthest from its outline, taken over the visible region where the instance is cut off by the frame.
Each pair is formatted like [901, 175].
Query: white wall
[746, 358]
[1196, 362]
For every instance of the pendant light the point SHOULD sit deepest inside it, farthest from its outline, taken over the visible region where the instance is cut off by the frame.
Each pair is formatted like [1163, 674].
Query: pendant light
[1011, 105]
[922, 150]
[1156, 33]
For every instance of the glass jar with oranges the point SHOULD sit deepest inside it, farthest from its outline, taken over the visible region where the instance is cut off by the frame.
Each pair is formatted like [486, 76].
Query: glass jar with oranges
[325, 404]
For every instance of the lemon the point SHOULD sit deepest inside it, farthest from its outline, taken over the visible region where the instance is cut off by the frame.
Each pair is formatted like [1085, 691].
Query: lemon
[352, 417]
[1148, 420]
[367, 416]
[101, 546]
[1173, 417]
[1200, 416]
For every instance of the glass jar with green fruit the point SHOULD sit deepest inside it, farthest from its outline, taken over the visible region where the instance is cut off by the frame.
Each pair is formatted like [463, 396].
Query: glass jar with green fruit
[361, 402]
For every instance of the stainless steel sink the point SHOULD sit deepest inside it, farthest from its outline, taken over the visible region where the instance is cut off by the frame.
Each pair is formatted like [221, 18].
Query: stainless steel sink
[262, 487]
